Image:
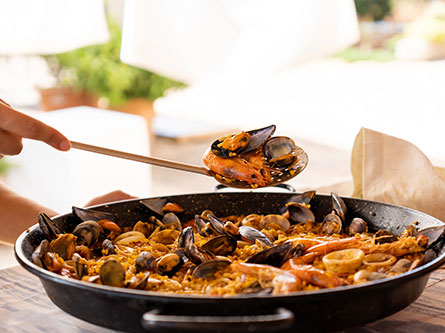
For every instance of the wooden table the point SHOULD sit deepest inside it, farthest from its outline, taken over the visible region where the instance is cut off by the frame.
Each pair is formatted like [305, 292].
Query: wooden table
[24, 307]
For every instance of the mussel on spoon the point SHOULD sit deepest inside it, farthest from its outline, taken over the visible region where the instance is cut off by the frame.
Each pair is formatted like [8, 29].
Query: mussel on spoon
[248, 159]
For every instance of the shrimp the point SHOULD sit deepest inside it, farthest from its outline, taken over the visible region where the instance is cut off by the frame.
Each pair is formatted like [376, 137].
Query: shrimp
[334, 245]
[398, 248]
[249, 168]
[313, 275]
[282, 281]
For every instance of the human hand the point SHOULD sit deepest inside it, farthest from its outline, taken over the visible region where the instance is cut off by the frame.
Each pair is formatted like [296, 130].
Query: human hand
[109, 197]
[15, 125]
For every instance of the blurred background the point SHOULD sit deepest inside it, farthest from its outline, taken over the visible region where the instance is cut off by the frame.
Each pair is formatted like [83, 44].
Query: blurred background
[168, 77]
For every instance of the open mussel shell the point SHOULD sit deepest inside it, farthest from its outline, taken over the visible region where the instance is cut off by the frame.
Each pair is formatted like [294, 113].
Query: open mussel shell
[48, 226]
[87, 233]
[186, 237]
[223, 245]
[339, 206]
[208, 268]
[256, 138]
[273, 256]
[93, 215]
[433, 233]
[38, 255]
[216, 224]
[302, 198]
[253, 235]
[155, 205]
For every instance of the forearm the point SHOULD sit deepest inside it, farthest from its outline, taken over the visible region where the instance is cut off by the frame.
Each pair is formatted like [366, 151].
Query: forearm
[17, 214]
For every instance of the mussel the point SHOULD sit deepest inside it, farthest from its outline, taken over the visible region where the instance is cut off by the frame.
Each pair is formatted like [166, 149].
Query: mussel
[276, 255]
[339, 206]
[93, 215]
[242, 143]
[299, 213]
[48, 226]
[223, 245]
[253, 235]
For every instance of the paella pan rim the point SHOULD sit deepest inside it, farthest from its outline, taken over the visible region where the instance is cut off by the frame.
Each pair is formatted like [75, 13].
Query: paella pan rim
[47, 275]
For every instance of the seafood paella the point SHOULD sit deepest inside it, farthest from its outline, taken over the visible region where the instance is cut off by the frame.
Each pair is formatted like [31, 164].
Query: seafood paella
[277, 253]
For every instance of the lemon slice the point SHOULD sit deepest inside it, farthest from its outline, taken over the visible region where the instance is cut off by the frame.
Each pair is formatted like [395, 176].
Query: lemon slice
[343, 261]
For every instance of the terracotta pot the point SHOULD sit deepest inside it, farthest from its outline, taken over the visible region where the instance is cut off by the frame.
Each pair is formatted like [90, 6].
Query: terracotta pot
[61, 97]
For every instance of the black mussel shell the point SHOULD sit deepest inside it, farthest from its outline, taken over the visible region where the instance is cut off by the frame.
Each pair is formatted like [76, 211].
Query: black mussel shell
[339, 206]
[198, 255]
[217, 224]
[256, 139]
[433, 234]
[93, 215]
[38, 255]
[384, 236]
[201, 227]
[208, 268]
[48, 226]
[273, 256]
[280, 151]
[299, 213]
[155, 205]
[80, 269]
[253, 235]
[186, 237]
[304, 198]
[223, 245]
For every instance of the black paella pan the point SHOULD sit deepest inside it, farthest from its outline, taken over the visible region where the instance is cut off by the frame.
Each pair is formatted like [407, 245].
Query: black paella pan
[308, 311]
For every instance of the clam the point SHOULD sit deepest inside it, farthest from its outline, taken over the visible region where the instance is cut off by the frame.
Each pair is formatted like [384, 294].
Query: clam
[87, 233]
[208, 269]
[242, 143]
[170, 263]
[357, 226]
[166, 236]
[366, 276]
[144, 228]
[112, 273]
[138, 281]
[252, 220]
[223, 245]
[145, 262]
[280, 151]
[401, 266]
[275, 221]
[80, 267]
[254, 235]
[299, 213]
[171, 221]
[331, 224]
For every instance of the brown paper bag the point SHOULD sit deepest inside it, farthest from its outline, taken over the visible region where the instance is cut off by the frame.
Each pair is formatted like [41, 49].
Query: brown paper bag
[388, 169]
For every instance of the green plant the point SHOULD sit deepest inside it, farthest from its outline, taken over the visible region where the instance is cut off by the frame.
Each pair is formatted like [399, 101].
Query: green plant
[98, 70]
[373, 9]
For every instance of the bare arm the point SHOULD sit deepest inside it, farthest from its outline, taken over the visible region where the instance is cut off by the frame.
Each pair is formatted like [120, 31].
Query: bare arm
[17, 214]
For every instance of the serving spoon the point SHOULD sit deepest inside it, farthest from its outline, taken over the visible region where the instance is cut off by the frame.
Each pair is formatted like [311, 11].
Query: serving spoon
[298, 167]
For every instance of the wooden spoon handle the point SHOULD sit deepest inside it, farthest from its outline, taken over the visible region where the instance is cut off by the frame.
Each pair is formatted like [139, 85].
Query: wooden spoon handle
[140, 158]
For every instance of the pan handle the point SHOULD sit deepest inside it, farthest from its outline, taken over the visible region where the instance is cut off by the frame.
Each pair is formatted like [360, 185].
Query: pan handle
[288, 187]
[279, 320]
